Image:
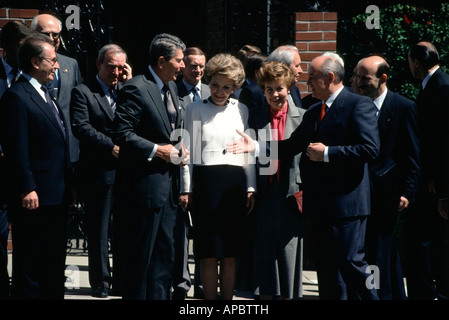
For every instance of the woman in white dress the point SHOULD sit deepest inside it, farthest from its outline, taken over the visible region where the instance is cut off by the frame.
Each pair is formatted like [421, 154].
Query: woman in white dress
[218, 185]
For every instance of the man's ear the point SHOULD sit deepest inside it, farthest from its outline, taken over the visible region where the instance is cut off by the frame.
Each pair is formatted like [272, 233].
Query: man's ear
[383, 78]
[35, 61]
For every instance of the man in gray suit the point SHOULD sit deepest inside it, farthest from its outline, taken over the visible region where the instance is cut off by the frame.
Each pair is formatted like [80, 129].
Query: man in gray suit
[67, 77]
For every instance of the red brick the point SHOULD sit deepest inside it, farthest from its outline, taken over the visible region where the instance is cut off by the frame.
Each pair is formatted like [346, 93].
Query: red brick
[330, 16]
[303, 77]
[302, 46]
[302, 26]
[330, 36]
[23, 13]
[323, 46]
[308, 36]
[5, 21]
[308, 56]
[323, 26]
[3, 13]
[305, 66]
[309, 16]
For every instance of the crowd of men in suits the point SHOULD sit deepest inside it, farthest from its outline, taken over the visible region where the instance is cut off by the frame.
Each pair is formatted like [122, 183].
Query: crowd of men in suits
[365, 156]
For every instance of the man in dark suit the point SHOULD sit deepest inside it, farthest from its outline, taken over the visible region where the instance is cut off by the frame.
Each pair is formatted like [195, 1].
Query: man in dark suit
[394, 175]
[34, 140]
[92, 114]
[11, 37]
[251, 94]
[148, 112]
[337, 138]
[67, 76]
[427, 225]
[190, 88]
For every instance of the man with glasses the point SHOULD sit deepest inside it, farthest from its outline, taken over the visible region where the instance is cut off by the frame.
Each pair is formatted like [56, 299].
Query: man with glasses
[67, 76]
[34, 140]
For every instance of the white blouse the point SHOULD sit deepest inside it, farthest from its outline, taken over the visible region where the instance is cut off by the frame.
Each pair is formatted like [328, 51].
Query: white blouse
[208, 129]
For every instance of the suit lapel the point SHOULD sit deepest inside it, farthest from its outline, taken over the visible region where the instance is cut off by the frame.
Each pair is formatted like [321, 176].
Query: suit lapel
[39, 101]
[102, 100]
[156, 97]
[385, 111]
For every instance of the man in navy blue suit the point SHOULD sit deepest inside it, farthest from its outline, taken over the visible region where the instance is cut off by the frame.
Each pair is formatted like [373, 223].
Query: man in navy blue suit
[11, 37]
[34, 140]
[338, 137]
[92, 113]
[427, 224]
[394, 175]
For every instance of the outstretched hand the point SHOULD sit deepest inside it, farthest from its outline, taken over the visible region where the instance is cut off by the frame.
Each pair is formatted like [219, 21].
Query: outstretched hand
[243, 145]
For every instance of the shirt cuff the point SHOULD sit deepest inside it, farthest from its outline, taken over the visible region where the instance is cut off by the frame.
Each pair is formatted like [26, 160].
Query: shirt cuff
[326, 154]
[152, 153]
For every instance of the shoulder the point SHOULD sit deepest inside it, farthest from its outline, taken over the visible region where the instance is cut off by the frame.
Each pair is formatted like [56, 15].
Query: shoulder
[66, 60]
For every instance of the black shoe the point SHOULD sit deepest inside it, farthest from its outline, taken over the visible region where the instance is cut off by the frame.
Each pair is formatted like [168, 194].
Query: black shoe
[198, 293]
[102, 291]
[178, 295]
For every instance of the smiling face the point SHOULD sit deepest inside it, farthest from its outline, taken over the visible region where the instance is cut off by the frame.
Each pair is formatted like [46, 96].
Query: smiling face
[276, 93]
[170, 69]
[46, 65]
[221, 88]
[194, 68]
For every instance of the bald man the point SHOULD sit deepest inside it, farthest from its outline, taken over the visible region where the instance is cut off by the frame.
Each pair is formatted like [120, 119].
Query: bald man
[427, 225]
[394, 174]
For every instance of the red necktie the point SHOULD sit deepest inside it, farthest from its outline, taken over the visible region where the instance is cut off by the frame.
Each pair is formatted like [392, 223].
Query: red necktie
[322, 113]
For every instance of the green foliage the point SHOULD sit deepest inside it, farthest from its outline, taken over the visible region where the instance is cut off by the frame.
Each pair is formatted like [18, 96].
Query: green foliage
[401, 26]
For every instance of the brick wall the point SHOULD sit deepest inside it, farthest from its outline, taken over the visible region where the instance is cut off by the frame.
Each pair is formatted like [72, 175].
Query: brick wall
[9, 14]
[315, 33]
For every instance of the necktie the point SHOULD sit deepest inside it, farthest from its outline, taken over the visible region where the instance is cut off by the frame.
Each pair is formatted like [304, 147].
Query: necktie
[170, 106]
[322, 112]
[113, 97]
[53, 109]
[15, 72]
[196, 95]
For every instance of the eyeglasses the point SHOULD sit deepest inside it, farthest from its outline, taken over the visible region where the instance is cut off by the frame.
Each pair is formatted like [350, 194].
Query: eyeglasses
[53, 35]
[52, 62]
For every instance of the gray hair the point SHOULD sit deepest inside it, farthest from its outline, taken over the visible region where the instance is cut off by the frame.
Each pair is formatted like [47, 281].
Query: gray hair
[165, 45]
[106, 48]
[283, 54]
[334, 63]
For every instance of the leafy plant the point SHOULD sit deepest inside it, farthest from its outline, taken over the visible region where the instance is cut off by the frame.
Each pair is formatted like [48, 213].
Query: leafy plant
[401, 26]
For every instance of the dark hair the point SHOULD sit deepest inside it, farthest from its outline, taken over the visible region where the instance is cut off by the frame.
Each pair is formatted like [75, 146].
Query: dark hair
[164, 45]
[253, 63]
[193, 51]
[427, 55]
[13, 32]
[32, 47]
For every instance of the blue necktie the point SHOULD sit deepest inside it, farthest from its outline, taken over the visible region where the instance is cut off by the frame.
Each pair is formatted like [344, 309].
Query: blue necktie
[53, 109]
[196, 95]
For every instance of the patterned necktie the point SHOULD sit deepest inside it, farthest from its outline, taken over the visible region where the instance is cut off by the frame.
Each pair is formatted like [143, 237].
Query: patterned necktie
[113, 97]
[322, 112]
[170, 106]
[196, 95]
[53, 109]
